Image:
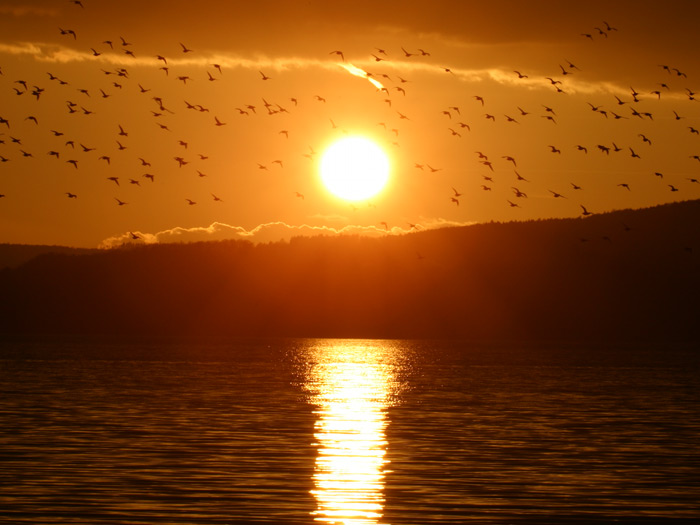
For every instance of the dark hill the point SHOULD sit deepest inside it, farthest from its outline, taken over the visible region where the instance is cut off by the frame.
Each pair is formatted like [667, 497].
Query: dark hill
[13, 255]
[626, 275]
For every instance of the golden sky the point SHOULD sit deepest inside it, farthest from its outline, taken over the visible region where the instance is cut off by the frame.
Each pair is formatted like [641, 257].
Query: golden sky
[520, 58]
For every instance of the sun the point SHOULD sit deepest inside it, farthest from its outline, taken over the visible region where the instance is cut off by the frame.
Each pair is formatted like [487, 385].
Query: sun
[354, 168]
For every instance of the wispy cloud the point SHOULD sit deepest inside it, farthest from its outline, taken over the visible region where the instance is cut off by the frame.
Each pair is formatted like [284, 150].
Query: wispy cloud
[358, 72]
[53, 53]
[23, 48]
[24, 10]
[45, 52]
[268, 232]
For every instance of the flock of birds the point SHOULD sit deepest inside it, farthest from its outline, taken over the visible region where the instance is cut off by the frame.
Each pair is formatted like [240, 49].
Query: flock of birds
[72, 139]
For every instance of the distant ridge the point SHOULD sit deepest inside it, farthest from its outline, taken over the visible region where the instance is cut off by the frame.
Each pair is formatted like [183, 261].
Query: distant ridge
[13, 255]
[630, 275]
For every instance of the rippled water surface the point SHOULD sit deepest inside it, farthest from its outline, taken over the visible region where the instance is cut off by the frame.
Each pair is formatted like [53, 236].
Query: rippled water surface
[344, 431]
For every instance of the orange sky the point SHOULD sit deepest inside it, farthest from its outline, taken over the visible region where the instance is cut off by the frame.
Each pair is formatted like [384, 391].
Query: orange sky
[482, 44]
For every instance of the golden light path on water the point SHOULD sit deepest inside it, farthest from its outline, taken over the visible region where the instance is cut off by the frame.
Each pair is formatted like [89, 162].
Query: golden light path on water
[351, 383]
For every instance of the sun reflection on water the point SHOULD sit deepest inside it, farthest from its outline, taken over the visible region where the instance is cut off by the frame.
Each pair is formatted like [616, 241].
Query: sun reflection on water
[352, 384]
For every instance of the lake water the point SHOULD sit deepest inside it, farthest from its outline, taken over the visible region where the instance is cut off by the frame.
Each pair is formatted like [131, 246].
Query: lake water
[347, 431]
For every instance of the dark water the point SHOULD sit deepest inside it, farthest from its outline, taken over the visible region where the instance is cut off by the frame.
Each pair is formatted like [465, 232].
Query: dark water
[354, 432]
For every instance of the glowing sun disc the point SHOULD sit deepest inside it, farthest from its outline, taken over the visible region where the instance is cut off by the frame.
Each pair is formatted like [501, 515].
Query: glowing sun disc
[354, 169]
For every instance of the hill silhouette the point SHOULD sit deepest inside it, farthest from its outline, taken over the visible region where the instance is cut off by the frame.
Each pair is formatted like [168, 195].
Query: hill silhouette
[13, 255]
[631, 275]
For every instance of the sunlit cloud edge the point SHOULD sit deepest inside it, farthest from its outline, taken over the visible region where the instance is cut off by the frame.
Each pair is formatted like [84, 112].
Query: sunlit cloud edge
[269, 232]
